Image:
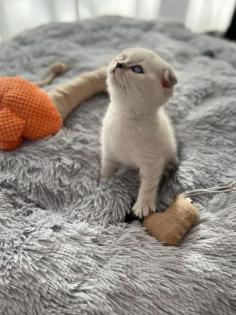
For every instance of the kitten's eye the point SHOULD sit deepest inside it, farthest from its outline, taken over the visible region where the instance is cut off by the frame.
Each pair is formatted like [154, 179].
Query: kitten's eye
[137, 69]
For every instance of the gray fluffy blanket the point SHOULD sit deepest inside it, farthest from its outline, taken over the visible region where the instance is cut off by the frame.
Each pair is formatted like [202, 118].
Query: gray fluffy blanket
[65, 246]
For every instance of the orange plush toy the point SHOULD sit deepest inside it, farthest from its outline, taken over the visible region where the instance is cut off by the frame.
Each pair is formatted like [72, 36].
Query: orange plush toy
[26, 111]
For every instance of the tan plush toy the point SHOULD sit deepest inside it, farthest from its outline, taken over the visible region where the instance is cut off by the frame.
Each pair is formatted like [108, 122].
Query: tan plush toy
[170, 227]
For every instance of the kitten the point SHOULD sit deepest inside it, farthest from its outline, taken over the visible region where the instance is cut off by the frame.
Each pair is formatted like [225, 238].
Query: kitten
[136, 130]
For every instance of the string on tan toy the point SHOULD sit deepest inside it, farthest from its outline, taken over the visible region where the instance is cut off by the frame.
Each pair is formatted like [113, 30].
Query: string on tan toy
[170, 226]
[212, 190]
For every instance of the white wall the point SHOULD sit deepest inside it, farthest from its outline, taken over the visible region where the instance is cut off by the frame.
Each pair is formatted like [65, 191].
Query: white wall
[198, 15]
[209, 14]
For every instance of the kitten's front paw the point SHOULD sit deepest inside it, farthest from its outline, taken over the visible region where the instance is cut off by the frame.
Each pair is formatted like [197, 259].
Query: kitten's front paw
[142, 209]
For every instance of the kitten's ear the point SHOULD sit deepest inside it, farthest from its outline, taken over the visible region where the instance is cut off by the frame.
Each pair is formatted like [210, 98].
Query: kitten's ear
[168, 79]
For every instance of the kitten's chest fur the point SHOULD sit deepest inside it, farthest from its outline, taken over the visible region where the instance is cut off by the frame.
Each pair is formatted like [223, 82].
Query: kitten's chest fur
[130, 139]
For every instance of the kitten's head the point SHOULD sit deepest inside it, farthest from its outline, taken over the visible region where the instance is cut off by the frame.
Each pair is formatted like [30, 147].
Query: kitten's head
[139, 76]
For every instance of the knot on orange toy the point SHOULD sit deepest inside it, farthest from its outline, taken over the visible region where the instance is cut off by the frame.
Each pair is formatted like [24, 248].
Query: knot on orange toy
[26, 111]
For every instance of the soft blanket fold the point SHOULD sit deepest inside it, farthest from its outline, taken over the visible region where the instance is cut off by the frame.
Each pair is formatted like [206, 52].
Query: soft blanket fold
[64, 246]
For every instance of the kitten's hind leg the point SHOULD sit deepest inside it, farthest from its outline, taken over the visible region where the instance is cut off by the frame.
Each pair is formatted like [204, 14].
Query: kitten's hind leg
[171, 167]
[108, 168]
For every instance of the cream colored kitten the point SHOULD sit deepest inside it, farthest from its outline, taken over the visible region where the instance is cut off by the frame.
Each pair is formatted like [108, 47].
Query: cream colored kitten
[136, 130]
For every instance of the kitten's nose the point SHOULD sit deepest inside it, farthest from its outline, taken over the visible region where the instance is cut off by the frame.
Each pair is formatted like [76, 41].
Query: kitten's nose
[119, 65]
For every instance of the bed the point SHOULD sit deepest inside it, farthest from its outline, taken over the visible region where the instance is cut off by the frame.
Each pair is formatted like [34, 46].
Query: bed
[66, 245]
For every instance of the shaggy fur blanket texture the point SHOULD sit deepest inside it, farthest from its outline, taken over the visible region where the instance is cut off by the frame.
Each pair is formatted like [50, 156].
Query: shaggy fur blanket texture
[65, 246]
